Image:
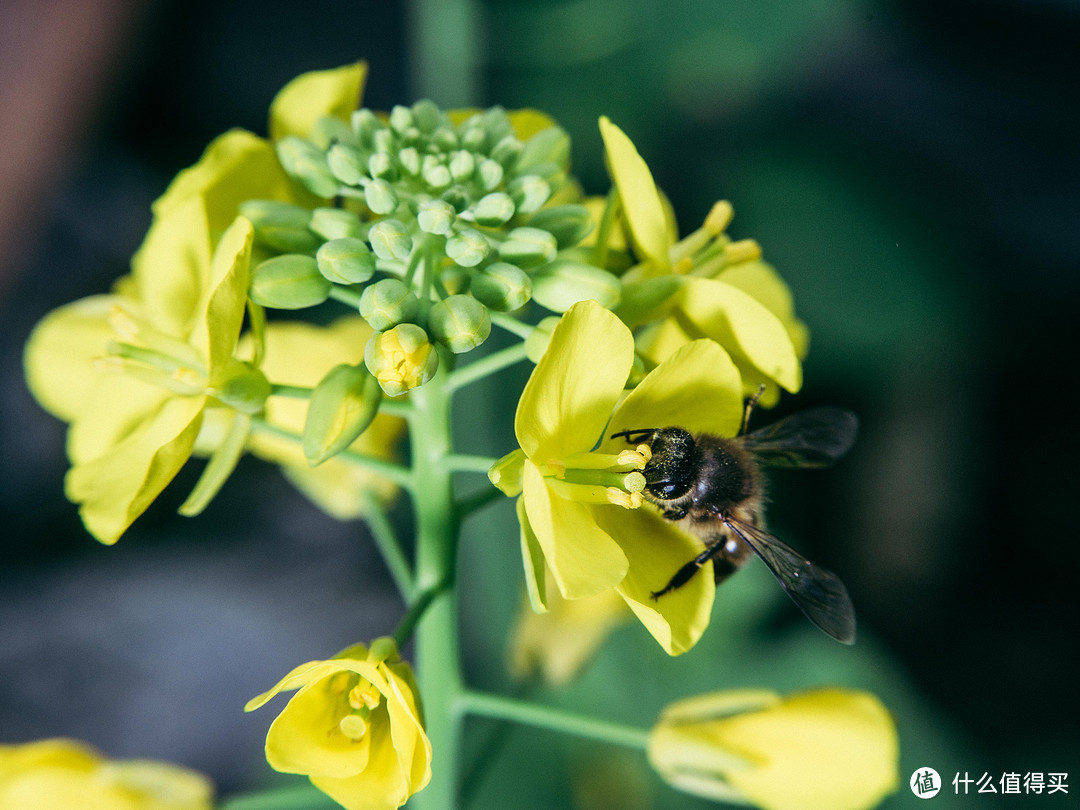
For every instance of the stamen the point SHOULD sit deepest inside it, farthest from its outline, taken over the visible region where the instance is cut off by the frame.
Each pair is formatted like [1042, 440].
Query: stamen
[627, 500]
[745, 250]
[364, 696]
[719, 217]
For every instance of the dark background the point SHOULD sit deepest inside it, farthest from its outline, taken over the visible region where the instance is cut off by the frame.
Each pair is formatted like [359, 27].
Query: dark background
[912, 169]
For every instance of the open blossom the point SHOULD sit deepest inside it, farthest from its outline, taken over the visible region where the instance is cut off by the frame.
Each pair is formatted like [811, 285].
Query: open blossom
[581, 512]
[826, 749]
[354, 727]
[133, 372]
[718, 289]
[59, 774]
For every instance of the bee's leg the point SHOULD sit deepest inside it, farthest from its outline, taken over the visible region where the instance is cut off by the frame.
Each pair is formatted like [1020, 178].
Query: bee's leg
[722, 568]
[686, 573]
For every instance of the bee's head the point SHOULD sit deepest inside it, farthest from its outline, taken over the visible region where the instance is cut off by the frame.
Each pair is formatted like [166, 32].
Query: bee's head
[673, 467]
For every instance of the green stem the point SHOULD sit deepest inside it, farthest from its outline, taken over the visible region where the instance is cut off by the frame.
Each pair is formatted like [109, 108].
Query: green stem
[463, 463]
[438, 656]
[389, 547]
[486, 366]
[512, 324]
[346, 295]
[293, 391]
[404, 630]
[534, 714]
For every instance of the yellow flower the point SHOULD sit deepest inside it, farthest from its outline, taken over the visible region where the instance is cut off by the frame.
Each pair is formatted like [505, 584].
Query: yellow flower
[60, 774]
[828, 749]
[300, 354]
[724, 292]
[557, 644]
[133, 371]
[354, 728]
[578, 508]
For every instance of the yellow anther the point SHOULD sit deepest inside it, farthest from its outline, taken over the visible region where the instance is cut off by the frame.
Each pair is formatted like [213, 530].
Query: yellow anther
[620, 497]
[632, 458]
[646, 452]
[719, 217]
[364, 696]
[683, 266]
[122, 323]
[745, 250]
[188, 376]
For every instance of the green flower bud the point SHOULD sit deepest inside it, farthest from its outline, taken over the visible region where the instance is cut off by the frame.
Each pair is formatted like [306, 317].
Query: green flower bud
[562, 283]
[380, 197]
[549, 146]
[468, 247]
[529, 192]
[305, 163]
[490, 173]
[474, 139]
[437, 176]
[494, 209]
[401, 118]
[462, 165]
[387, 303]
[347, 163]
[390, 239]
[459, 322]
[427, 115]
[538, 339]
[445, 139]
[569, 224]
[507, 151]
[329, 129]
[291, 281]
[335, 223]
[410, 160]
[242, 387]
[401, 358]
[457, 197]
[528, 247]
[280, 226]
[455, 279]
[436, 216]
[380, 164]
[345, 261]
[383, 141]
[502, 287]
[365, 124]
[342, 406]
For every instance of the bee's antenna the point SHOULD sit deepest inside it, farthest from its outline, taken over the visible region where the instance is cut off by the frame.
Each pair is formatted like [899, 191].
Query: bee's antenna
[629, 434]
[750, 405]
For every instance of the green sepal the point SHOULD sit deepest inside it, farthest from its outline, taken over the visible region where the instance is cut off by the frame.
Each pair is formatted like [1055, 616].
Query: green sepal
[569, 224]
[560, 284]
[305, 163]
[502, 287]
[334, 223]
[528, 247]
[648, 299]
[291, 281]
[280, 226]
[220, 466]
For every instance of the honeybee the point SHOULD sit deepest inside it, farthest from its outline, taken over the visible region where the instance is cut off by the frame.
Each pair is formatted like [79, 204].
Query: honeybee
[715, 489]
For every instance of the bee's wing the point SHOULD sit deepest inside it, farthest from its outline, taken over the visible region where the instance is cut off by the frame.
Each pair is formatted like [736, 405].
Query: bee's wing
[813, 438]
[819, 593]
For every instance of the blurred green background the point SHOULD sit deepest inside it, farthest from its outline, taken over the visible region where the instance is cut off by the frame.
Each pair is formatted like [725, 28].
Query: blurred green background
[912, 169]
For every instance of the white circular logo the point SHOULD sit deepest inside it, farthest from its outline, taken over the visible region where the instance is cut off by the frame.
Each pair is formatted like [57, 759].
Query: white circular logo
[925, 783]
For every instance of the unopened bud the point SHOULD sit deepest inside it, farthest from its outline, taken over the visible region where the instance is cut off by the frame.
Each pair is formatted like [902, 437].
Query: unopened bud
[459, 322]
[380, 196]
[291, 281]
[410, 160]
[242, 387]
[528, 247]
[365, 124]
[387, 303]
[345, 261]
[561, 284]
[342, 406]
[426, 115]
[467, 248]
[493, 210]
[381, 164]
[549, 146]
[401, 358]
[390, 239]
[491, 174]
[280, 226]
[306, 164]
[569, 224]
[507, 151]
[436, 216]
[401, 118]
[462, 165]
[502, 287]
[346, 163]
[334, 223]
[529, 191]
[437, 176]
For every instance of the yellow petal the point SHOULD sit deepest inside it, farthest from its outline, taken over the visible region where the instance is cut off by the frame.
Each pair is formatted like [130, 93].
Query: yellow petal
[219, 329]
[235, 167]
[744, 327]
[583, 559]
[310, 96]
[641, 200]
[115, 408]
[656, 549]
[569, 397]
[116, 487]
[58, 358]
[763, 282]
[697, 388]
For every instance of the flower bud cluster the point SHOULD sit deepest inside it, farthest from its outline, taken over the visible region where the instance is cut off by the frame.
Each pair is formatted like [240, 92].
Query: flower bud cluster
[428, 221]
